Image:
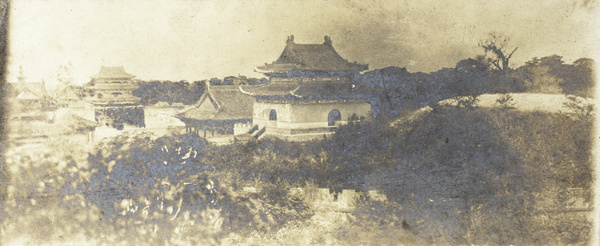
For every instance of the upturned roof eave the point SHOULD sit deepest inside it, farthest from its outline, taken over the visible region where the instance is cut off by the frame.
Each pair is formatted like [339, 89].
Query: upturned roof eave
[310, 57]
[112, 78]
[267, 69]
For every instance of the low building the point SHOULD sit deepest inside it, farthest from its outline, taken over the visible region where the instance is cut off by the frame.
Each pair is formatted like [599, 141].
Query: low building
[31, 100]
[69, 96]
[63, 126]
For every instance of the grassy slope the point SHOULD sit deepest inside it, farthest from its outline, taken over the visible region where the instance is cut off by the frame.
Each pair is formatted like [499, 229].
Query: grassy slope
[486, 174]
[459, 176]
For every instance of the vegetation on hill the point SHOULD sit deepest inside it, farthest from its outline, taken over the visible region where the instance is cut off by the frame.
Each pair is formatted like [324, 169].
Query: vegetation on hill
[152, 92]
[405, 91]
[453, 175]
[501, 169]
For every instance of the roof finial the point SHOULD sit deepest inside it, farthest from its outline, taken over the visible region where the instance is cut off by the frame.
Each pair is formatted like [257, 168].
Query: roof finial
[44, 86]
[207, 84]
[21, 76]
[290, 39]
[327, 40]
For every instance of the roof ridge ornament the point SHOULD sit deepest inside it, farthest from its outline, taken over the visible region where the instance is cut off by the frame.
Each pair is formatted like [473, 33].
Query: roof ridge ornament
[290, 39]
[327, 40]
[293, 92]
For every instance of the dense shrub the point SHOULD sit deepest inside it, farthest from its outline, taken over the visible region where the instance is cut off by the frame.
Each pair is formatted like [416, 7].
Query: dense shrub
[480, 174]
[118, 117]
[405, 92]
[152, 92]
[452, 175]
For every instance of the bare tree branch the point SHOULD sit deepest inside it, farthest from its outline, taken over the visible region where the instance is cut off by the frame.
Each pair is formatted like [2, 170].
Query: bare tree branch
[511, 53]
[495, 44]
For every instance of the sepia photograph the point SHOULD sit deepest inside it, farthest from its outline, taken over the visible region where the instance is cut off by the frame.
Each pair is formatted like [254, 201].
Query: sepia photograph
[263, 122]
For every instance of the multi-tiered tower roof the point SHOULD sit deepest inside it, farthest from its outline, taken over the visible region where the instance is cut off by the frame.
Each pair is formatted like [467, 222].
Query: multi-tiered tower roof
[112, 86]
[309, 71]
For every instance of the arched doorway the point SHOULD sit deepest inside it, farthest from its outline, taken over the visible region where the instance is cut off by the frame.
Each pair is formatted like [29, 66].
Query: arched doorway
[334, 115]
[273, 115]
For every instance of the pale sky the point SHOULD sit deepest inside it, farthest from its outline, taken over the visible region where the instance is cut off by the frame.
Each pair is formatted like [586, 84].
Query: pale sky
[195, 40]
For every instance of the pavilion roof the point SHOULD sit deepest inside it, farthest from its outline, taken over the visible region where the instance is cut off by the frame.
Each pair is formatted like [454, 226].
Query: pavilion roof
[27, 95]
[310, 57]
[112, 73]
[315, 91]
[221, 102]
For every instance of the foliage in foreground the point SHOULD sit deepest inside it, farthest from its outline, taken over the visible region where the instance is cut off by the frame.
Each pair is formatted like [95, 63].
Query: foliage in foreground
[459, 175]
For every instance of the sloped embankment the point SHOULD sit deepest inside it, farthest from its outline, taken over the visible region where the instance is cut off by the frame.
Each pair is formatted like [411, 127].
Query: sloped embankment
[489, 174]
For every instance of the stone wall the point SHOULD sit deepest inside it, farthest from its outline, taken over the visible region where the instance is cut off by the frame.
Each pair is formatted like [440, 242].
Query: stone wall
[300, 119]
[242, 128]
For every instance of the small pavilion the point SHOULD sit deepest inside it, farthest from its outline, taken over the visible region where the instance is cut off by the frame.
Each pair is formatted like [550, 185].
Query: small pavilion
[217, 111]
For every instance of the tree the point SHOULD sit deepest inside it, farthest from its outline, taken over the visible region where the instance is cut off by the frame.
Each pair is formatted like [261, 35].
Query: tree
[215, 81]
[580, 79]
[542, 81]
[497, 45]
[550, 74]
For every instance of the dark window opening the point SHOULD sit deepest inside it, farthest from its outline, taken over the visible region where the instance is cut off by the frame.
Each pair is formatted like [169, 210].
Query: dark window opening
[273, 115]
[334, 115]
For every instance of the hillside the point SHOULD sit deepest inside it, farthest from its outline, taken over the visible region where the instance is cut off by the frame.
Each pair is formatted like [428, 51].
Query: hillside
[461, 167]
[525, 102]
[455, 173]
[528, 102]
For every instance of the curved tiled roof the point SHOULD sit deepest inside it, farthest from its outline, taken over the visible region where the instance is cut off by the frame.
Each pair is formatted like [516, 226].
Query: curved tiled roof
[112, 73]
[310, 57]
[221, 102]
[318, 91]
[27, 95]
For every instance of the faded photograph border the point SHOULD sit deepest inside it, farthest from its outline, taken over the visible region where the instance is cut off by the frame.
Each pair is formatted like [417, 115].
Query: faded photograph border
[299, 123]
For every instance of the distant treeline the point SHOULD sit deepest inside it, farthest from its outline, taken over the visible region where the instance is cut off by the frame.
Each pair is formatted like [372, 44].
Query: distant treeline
[406, 91]
[243, 80]
[152, 92]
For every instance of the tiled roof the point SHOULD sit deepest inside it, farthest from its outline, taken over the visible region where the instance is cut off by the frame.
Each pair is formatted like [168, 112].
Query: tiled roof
[67, 92]
[76, 122]
[221, 102]
[310, 57]
[112, 73]
[269, 89]
[318, 91]
[27, 95]
[30, 90]
[126, 86]
[125, 99]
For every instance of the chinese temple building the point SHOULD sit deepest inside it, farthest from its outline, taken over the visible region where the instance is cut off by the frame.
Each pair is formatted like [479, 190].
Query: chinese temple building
[32, 101]
[217, 111]
[310, 93]
[32, 93]
[110, 91]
